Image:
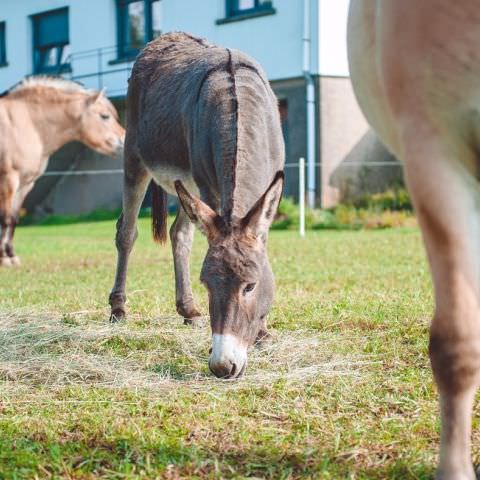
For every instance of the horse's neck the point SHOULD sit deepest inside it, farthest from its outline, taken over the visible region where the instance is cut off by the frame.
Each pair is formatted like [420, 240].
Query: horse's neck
[53, 122]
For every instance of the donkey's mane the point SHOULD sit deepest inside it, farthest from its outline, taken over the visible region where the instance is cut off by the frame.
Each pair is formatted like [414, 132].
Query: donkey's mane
[57, 83]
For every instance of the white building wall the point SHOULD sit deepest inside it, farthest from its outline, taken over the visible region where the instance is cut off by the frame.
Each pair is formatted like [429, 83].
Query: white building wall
[332, 51]
[92, 24]
[274, 40]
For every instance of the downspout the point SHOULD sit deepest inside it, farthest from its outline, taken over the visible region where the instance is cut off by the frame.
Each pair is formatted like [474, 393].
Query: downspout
[310, 104]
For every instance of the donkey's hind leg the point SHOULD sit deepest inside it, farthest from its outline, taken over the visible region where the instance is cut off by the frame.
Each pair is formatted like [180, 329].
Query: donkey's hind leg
[136, 180]
[181, 236]
[447, 200]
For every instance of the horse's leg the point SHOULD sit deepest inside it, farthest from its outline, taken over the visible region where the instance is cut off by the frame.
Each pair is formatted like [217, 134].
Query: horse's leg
[8, 187]
[17, 204]
[181, 236]
[136, 180]
[447, 202]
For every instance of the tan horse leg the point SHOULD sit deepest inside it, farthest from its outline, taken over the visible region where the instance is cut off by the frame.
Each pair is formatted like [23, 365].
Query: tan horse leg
[17, 204]
[447, 201]
[136, 180]
[8, 187]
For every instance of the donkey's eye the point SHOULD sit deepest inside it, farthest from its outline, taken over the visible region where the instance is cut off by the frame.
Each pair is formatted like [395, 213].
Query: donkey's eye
[104, 116]
[249, 288]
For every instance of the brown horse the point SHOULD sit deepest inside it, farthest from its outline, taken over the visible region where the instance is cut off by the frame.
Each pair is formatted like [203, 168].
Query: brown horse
[37, 117]
[205, 118]
[415, 67]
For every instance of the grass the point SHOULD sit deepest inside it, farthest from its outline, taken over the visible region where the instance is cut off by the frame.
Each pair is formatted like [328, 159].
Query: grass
[343, 391]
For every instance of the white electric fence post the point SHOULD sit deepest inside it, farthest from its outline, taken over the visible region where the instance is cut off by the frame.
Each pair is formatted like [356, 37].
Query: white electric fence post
[301, 194]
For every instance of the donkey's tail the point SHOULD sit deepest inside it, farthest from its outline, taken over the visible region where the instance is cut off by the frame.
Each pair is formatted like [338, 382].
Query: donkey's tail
[159, 213]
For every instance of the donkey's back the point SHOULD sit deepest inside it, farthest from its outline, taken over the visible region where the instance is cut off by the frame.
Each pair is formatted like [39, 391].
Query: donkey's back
[205, 115]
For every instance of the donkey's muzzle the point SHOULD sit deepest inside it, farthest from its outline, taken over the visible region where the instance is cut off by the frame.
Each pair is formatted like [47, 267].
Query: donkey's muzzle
[226, 369]
[228, 358]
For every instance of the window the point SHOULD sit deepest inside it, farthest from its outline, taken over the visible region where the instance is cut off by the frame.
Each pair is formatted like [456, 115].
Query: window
[243, 9]
[239, 7]
[3, 44]
[139, 22]
[51, 42]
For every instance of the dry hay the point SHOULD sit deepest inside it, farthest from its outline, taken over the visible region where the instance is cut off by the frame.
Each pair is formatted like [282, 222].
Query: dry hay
[54, 350]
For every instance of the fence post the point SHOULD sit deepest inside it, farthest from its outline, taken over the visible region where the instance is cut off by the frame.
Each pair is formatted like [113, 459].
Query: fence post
[301, 195]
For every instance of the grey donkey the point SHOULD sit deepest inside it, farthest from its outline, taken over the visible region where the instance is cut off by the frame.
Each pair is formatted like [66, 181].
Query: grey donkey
[203, 123]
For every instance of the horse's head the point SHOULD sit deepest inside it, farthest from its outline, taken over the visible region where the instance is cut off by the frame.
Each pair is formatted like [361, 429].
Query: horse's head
[99, 125]
[237, 274]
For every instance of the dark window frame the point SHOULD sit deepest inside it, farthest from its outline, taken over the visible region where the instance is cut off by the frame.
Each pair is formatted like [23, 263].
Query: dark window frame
[233, 13]
[233, 9]
[124, 51]
[3, 44]
[38, 48]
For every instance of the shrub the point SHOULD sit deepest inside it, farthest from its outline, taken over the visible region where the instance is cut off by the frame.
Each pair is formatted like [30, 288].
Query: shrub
[381, 210]
[288, 216]
[394, 199]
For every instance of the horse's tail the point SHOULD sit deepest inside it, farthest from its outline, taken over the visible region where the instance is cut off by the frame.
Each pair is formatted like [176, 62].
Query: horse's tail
[159, 213]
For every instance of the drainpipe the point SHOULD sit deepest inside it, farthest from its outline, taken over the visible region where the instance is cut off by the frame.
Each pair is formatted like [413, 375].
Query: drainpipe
[310, 104]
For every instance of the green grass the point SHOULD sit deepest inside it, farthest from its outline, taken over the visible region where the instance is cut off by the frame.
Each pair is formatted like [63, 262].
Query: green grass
[343, 391]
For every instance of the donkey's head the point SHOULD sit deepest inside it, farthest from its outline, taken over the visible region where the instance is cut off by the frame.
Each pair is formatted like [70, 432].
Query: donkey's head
[237, 274]
[99, 125]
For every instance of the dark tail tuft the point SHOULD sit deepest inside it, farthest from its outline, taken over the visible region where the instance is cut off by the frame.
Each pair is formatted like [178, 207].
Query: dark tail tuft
[159, 213]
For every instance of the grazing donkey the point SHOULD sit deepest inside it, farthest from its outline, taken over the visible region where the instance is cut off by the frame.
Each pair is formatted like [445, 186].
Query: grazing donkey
[203, 122]
[37, 117]
[415, 68]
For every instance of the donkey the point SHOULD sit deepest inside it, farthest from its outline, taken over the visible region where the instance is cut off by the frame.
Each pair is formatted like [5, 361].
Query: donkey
[203, 122]
[415, 68]
[37, 117]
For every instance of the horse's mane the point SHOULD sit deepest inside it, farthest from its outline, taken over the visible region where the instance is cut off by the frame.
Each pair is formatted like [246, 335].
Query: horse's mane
[57, 83]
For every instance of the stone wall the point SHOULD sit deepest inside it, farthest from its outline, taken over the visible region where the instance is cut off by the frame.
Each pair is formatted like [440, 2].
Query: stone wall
[353, 160]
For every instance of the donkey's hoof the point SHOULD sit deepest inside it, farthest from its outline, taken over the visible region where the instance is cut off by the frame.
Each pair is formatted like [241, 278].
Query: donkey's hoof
[15, 261]
[263, 338]
[195, 322]
[5, 262]
[117, 315]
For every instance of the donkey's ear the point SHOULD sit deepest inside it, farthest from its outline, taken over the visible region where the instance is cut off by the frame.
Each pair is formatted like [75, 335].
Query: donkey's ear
[260, 217]
[205, 219]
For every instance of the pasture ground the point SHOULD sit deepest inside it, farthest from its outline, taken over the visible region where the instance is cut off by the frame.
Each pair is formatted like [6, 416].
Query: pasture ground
[343, 391]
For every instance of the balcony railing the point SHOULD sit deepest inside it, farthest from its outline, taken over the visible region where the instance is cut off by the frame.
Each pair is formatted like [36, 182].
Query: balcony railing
[100, 68]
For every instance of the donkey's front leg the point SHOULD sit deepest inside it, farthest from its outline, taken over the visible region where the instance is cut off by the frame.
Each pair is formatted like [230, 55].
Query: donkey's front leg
[181, 236]
[136, 181]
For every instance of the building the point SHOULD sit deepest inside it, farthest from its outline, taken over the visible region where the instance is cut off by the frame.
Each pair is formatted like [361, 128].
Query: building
[300, 43]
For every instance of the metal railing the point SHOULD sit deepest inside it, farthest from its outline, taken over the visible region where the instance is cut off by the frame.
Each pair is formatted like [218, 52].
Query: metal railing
[98, 67]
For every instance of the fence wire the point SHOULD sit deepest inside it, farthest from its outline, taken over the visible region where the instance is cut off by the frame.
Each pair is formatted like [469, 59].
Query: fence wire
[53, 173]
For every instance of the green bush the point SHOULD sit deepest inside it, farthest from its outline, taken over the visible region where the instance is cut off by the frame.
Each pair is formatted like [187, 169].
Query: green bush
[288, 216]
[381, 210]
[394, 199]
